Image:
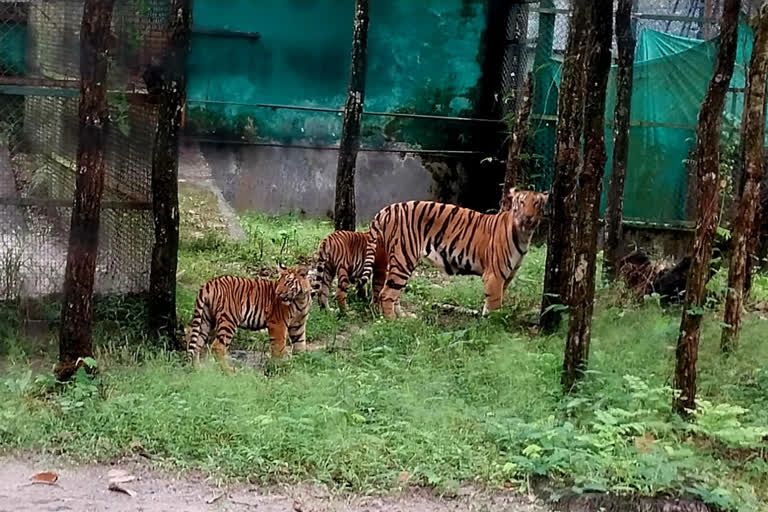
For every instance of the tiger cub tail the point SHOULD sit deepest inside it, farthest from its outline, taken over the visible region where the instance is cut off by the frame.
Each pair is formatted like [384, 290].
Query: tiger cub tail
[374, 233]
[321, 282]
[197, 334]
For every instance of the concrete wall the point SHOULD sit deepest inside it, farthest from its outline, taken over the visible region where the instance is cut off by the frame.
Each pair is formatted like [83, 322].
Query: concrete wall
[280, 179]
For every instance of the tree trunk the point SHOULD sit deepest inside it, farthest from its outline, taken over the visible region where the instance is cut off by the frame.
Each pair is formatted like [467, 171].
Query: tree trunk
[625, 39]
[708, 174]
[567, 155]
[344, 215]
[516, 140]
[585, 228]
[752, 156]
[165, 198]
[77, 307]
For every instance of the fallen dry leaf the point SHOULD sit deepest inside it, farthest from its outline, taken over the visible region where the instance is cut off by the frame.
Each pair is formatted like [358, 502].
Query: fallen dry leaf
[116, 473]
[45, 477]
[297, 507]
[403, 477]
[118, 488]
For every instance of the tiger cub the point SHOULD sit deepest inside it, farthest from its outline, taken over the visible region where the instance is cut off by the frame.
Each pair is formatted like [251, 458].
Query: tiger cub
[458, 240]
[342, 254]
[229, 302]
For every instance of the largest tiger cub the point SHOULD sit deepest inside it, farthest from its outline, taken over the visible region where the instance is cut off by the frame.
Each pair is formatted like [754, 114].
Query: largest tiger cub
[229, 302]
[458, 240]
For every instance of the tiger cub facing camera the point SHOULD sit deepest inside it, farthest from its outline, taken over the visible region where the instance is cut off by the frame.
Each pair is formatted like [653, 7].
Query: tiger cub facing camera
[227, 302]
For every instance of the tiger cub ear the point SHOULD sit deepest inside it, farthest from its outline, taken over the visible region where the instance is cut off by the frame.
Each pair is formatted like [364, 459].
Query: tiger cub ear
[512, 192]
[281, 268]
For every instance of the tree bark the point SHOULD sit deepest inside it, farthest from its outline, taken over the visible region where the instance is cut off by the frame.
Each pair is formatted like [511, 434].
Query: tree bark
[585, 228]
[516, 140]
[625, 39]
[165, 165]
[567, 156]
[344, 214]
[708, 174]
[77, 307]
[752, 156]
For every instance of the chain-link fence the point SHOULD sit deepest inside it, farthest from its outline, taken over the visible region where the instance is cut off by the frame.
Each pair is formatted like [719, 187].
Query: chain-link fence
[39, 131]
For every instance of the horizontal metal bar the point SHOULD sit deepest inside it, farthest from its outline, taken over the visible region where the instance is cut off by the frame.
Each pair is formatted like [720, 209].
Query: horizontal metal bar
[40, 82]
[340, 111]
[446, 152]
[645, 124]
[673, 17]
[68, 203]
[230, 34]
[549, 10]
[637, 15]
[32, 90]
[434, 117]
[60, 92]
[682, 225]
[267, 105]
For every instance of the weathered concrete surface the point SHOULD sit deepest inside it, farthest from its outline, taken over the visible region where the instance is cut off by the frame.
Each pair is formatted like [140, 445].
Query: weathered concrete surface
[194, 169]
[279, 179]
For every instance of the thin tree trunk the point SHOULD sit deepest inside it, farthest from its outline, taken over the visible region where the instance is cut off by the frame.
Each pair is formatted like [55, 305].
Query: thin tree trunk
[590, 180]
[567, 156]
[165, 197]
[708, 174]
[752, 156]
[344, 214]
[516, 140]
[77, 307]
[625, 39]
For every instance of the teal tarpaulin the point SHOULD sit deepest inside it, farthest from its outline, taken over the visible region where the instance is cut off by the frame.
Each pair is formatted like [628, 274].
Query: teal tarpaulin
[671, 74]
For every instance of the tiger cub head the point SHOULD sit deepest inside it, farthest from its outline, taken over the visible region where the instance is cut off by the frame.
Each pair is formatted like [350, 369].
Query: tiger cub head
[292, 284]
[528, 207]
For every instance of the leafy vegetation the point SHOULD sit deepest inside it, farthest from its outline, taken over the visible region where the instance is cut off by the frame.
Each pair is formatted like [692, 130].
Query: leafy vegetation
[439, 401]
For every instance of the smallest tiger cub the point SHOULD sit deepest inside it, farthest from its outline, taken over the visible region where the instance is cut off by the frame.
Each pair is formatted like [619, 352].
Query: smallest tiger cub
[228, 302]
[342, 254]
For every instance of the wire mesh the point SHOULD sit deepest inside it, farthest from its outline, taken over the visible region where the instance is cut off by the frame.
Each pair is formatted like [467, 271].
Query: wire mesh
[39, 133]
[515, 61]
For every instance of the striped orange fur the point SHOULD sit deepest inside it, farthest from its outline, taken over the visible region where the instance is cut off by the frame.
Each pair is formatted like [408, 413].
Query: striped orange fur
[228, 302]
[456, 239]
[342, 255]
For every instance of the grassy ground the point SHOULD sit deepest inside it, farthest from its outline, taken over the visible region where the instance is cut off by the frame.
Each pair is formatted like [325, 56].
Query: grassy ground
[442, 401]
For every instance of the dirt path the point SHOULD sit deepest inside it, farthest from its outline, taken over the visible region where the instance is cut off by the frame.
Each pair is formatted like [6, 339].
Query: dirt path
[85, 488]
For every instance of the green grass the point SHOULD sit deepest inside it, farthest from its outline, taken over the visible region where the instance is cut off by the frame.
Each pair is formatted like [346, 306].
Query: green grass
[448, 399]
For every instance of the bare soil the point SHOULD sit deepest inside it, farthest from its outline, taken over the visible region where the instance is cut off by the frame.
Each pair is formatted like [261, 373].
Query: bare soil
[86, 488]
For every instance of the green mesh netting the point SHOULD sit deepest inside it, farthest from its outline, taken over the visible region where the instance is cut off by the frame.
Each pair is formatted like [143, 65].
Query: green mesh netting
[671, 74]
